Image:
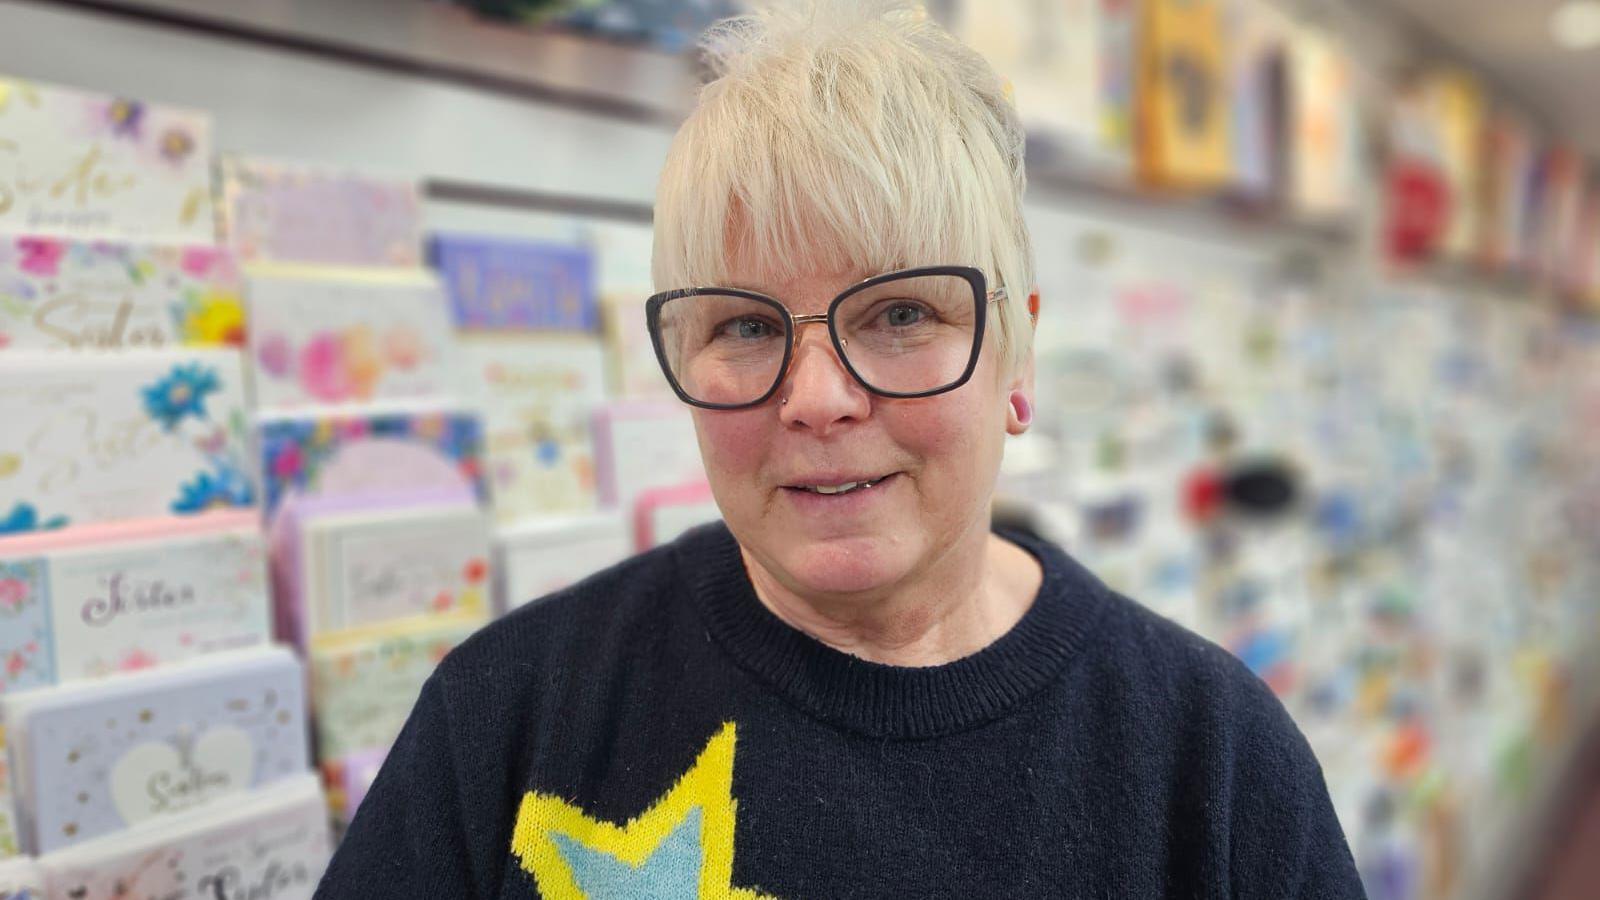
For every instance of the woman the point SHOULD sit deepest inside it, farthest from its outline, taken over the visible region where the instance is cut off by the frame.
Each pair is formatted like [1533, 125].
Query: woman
[853, 688]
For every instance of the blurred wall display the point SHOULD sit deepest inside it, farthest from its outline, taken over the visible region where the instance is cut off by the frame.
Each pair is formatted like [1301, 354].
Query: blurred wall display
[504, 284]
[99, 756]
[63, 293]
[1183, 109]
[537, 394]
[94, 600]
[271, 842]
[90, 165]
[296, 213]
[317, 340]
[1325, 135]
[109, 436]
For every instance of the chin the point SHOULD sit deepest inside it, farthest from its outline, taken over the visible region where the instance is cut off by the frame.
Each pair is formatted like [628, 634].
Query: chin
[845, 565]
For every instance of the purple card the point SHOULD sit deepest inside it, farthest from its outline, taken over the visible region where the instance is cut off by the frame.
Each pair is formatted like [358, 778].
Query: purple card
[501, 283]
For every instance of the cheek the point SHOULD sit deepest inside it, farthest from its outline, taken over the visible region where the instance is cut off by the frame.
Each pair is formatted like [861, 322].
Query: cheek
[733, 444]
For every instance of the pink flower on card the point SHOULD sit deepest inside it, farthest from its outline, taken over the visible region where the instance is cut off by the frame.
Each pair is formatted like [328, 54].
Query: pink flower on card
[352, 428]
[198, 261]
[286, 465]
[322, 370]
[442, 601]
[15, 664]
[186, 639]
[13, 591]
[273, 354]
[137, 659]
[404, 347]
[41, 256]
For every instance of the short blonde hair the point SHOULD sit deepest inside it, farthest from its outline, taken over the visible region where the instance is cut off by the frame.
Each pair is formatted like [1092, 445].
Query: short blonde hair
[859, 131]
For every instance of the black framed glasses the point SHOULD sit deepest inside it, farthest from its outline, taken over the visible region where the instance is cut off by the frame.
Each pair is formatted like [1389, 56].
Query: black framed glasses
[913, 333]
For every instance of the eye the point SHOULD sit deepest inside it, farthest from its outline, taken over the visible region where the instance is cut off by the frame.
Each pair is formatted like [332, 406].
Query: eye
[905, 314]
[747, 328]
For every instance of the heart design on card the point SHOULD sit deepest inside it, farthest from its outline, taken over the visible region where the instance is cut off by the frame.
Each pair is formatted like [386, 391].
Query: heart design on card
[157, 777]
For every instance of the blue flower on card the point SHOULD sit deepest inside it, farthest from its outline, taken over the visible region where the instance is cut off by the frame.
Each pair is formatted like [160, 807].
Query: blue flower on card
[225, 487]
[182, 393]
[23, 517]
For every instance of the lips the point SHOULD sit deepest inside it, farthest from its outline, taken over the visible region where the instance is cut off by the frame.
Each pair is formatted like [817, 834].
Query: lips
[836, 485]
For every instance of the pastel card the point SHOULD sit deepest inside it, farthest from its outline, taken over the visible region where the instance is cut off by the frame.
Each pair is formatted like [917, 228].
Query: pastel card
[106, 436]
[661, 514]
[59, 293]
[272, 843]
[10, 826]
[380, 566]
[275, 212]
[95, 757]
[641, 445]
[538, 396]
[538, 557]
[76, 606]
[324, 340]
[364, 682]
[506, 284]
[21, 879]
[92, 165]
[331, 452]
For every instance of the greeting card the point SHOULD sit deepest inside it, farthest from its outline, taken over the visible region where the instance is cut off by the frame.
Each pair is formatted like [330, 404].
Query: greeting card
[98, 756]
[97, 166]
[365, 681]
[540, 556]
[10, 827]
[330, 452]
[641, 445]
[57, 293]
[351, 562]
[1048, 55]
[93, 600]
[21, 879]
[537, 395]
[277, 212]
[504, 284]
[99, 437]
[348, 779]
[661, 514]
[1183, 111]
[1255, 34]
[270, 843]
[1324, 127]
[323, 341]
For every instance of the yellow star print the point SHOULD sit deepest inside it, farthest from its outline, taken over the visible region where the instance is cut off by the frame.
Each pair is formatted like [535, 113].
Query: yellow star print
[680, 848]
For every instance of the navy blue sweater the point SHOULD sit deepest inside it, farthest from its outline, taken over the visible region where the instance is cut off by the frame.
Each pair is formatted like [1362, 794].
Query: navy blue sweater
[655, 732]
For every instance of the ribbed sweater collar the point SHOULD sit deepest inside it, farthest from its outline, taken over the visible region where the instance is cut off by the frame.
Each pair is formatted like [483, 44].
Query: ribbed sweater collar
[893, 701]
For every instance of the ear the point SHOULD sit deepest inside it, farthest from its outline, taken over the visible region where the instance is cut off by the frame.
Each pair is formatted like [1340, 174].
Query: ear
[1020, 388]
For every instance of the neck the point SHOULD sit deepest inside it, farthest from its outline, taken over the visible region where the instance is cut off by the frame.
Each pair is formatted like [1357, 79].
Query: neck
[957, 605]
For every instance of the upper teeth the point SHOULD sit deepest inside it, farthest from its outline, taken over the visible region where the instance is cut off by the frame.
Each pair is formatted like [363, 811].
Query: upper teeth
[841, 488]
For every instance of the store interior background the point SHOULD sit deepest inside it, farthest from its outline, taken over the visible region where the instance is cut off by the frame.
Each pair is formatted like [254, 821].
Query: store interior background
[1298, 403]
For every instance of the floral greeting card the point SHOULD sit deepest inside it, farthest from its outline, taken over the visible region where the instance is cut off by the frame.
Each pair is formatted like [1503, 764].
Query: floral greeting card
[333, 453]
[98, 756]
[540, 556]
[326, 341]
[364, 682]
[57, 293]
[348, 562]
[277, 212]
[100, 437]
[538, 395]
[94, 600]
[98, 166]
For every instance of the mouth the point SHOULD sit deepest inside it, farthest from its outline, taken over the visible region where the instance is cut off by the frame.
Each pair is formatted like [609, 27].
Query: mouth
[835, 488]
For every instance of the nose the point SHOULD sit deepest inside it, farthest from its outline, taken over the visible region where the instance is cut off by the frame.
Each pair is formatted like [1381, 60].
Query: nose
[821, 395]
